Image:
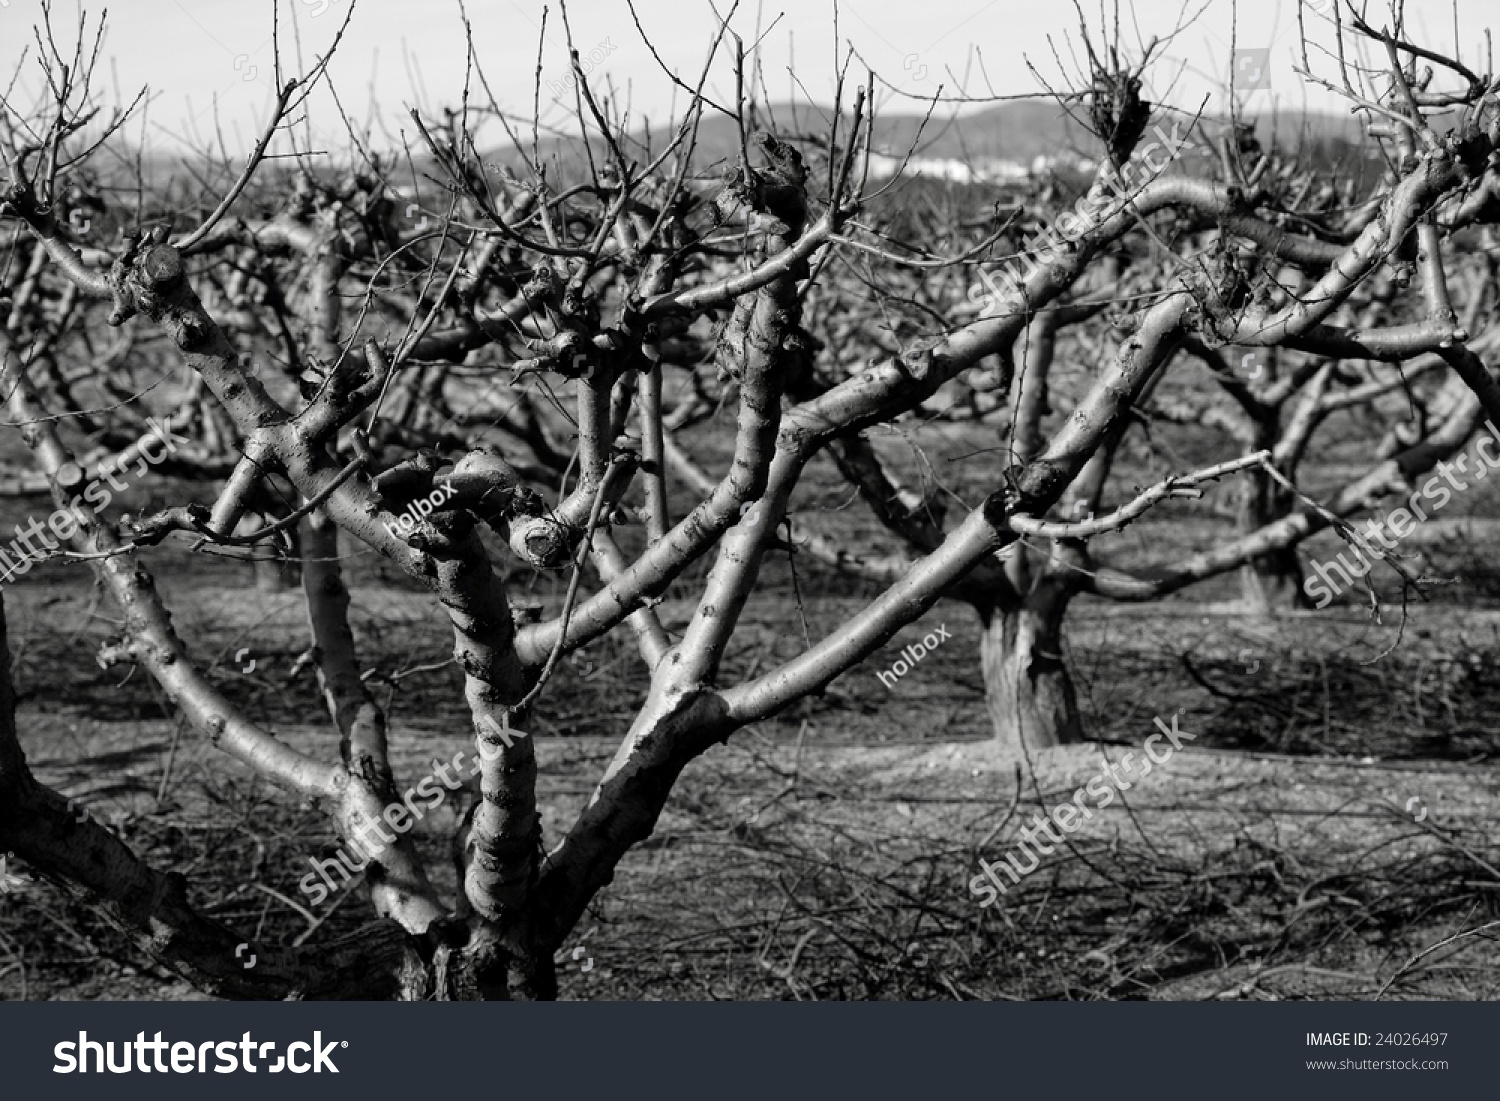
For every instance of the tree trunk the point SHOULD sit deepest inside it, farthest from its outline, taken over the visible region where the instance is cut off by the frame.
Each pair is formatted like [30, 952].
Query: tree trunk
[272, 575]
[1027, 688]
[272, 570]
[1271, 582]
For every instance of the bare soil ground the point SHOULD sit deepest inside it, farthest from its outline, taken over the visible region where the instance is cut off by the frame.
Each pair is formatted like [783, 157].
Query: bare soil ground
[1331, 821]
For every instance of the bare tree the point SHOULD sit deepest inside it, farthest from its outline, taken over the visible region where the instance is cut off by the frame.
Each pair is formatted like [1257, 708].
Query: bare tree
[1288, 294]
[631, 277]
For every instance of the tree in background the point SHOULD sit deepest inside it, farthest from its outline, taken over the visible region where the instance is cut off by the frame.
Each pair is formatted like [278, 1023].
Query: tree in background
[1306, 306]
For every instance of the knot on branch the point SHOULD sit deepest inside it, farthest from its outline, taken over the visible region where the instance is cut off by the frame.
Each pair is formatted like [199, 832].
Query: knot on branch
[484, 483]
[1474, 153]
[408, 480]
[916, 361]
[568, 353]
[542, 286]
[774, 194]
[161, 266]
[1118, 113]
[779, 186]
[1219, 292]
[481, 486]
[543, 542]
[144, 277]
[20, 202]
[728, 201]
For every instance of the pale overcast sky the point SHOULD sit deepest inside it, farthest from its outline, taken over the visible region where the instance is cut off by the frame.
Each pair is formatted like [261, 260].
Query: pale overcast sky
[208, 59]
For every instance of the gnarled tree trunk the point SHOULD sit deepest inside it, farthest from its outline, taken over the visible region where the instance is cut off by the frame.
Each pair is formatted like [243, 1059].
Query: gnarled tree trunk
[1028, 691]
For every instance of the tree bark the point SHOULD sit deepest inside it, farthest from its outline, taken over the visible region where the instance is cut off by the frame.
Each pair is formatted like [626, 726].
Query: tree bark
[1028, 691]
[1271, 582]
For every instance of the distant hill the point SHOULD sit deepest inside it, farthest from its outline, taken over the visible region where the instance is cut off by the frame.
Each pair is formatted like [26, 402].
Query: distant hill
[1018, 130]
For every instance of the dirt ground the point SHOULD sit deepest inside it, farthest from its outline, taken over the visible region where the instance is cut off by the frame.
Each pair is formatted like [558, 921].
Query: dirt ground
[1327, 834]
[1331, 820]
